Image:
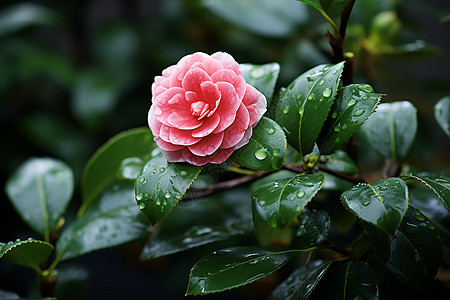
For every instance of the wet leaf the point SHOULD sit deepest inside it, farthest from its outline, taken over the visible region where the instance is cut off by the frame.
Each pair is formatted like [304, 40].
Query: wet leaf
[262, 77]
[304, 106]
[442, 114]
[29, 253]
[266, 149]
[313, 229]
[160, 185]
[382, 203]
[327, 6]
[236, 266]
[340, 161]
[130, 168]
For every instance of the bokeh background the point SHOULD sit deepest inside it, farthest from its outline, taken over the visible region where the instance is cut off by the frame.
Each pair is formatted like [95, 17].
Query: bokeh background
[74, 73]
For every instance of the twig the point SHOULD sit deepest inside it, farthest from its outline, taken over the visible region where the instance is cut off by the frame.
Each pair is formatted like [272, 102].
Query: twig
[338, 249]
[294, 168]
[352, 178]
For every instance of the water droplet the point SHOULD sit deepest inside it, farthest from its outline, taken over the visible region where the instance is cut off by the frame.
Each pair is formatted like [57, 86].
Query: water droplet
[299, 96]
[312, 73]
[270, 130]
[411, 228]
[142, 206]
[420, 217]
[334, 72]
[157, 110]
[291, 198]
[431, 226]
[321, 82]
[261, 154]
[351, 102]
[300, 194]
[162, 169]
[275, 152]
[142, 179]
[417, 256]
[334, 115]
[366, 203]
[337, 128]
[337, 140]
[301, 110]
[257, 72]
[167, 195]
[358, 112]
[286, 110]
[103, 228]
[139, 196]
[366, 88]
[344, 126]
[290, 280]
[311, 96]
[158, 202]
[183, 173]
[298, 208]
[173, 175]
[327, 92]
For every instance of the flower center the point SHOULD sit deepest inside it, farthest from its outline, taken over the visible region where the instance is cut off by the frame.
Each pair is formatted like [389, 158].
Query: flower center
[199, 109]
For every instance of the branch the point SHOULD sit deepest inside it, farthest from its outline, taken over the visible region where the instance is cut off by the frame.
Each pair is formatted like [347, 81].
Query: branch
[353, 178]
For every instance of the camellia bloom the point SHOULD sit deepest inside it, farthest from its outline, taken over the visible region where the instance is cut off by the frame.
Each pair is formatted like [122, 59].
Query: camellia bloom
[202, 109]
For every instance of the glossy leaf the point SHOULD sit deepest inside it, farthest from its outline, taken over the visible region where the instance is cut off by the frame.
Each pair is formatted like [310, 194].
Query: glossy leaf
[304, 106]
[278, 203]
[9, 295]
[391, 130]
[101, 169]
[30, 253]
[130, 168]
[327, 6]
[280, 19]
[262, 77]
[266, 149]
[236, 266]
[382, 203]
[340, 161]
[349, 280]
[160, 185]
[302, 282]
[40, 190]
[352, 107]
[313, 229]
[440, 185]
[216, 218]
[113, 219]
[442, 114]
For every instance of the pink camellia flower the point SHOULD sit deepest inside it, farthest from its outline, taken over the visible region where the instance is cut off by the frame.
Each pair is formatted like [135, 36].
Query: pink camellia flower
[202, 109]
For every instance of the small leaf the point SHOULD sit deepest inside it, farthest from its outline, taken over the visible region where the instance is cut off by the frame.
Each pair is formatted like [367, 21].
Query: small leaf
[440, 185]
[391, 129]
[349, 280]
[28, 253]
[266, 149]
[352, 107]
[442, 114]
[113, 219]
[383, 203]
[130, 168]
[101, 169]
[303, 107]
[313, 229]
[236, 266]
[160, 185]
[40, 190]
[262, 77]
[340, 161]
[301, 283]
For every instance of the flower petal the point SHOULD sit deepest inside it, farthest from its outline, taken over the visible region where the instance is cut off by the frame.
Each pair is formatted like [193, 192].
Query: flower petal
[229, 104]
[193, 79]
[217, 157]
[153, 123]
[235, 133]
[183, 121]
[229, 76]
[174, 156]
[207, 145]
[208, 126]
[256, 104]
[167, 146]
[181, 137]
[247, 135]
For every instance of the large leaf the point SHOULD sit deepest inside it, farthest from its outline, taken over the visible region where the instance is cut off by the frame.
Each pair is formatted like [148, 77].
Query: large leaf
[303, 107]
[391, 130]
[440, 185]
[313, 229]
[40, 190]
[442, 114]
[217, 218]
[101, 169]
[233, 267]
[263, 17]
[266, 149]
[113, 219]
[29, 253]
[340, 161]
[382, 203]
[349, 280]
[302, 282]
[160, 185]
[262, 77]
[352, 107]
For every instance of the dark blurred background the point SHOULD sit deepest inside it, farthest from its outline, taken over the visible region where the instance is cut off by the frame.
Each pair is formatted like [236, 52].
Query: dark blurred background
[74, 73]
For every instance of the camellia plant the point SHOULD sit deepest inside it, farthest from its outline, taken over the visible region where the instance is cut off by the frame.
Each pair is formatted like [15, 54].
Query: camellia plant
[269, 180]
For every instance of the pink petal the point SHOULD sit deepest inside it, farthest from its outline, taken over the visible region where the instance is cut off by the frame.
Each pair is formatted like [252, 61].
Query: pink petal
[153, 123]
[167, 146]
[181, 137]
[217, 157]
[247, 135]
[256, 104]
[208, 126]
[229, 104]
[207, 145]
[164, 133]
[209, 94]
[193, 79]
[183, 121]
[174, 156]
[229, 76]
[222, 56]
[235, 132]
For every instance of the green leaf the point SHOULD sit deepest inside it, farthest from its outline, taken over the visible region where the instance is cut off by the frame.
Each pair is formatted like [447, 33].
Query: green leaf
[236, 266]
[349, 280]
[440, 185]
[130, 168]
[263, 17]
[391, 130]
[113, 219]
[266, 149]
[9, 295]
[340, 161]
[217, 218]
[383, 203]
[301, 283]
[160, 185]
[262, 77]
[101, 169]
[352, 107]
[28, 253]
[328, 6]
[313, 229]
[271, 178]
[40, 190]
[303, 107]
[442, 114]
